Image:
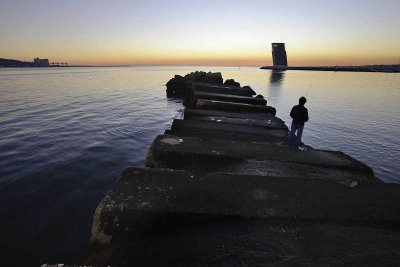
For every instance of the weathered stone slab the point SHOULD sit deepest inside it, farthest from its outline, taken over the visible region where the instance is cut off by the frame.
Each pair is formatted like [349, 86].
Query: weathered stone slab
[271, 123]
[223, 130]
[237, 107]
[150, 208]
[145, 202]
[189, 99]
[230, 98]
[201, 163]
[267, 167]
[190, 113]
[168, 151]
[210, 134]
[238, 242]
[219, 89]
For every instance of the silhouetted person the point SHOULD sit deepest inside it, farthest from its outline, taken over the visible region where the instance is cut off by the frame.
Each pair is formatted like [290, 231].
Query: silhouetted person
[300, 115]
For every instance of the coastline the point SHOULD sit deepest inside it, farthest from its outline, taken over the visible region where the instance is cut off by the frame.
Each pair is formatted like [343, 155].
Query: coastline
[59, 66]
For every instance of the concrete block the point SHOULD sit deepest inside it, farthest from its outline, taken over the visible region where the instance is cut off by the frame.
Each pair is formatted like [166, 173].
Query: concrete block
[148, 192]
[218, 89]
[230, 98]
[237, 107]
[190, 113]
[147, 210]
[224, 130]
[271, 123]
[173, 152]
[244, 242]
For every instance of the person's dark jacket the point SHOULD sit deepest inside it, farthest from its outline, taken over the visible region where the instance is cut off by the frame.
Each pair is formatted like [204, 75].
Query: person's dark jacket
[299, 114]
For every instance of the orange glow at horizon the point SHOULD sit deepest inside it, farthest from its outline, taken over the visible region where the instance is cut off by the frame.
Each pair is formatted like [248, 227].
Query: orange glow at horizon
[258, 59]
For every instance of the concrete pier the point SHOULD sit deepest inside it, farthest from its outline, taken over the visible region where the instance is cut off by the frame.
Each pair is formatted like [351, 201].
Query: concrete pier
[223, 188]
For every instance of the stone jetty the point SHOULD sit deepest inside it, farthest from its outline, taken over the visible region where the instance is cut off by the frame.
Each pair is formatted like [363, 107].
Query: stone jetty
[221, 187]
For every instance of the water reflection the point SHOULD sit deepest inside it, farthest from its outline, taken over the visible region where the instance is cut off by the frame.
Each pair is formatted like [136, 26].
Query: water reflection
[277, 77]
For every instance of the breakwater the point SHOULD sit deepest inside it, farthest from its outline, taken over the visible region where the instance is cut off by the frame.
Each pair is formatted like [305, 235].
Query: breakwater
[222, 188]
[366, 68]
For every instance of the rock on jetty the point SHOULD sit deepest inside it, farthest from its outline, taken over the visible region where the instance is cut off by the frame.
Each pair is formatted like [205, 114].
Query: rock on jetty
[221, 187]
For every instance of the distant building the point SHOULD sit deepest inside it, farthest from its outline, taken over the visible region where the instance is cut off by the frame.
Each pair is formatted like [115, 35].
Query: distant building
[38, 62]
[279, 54]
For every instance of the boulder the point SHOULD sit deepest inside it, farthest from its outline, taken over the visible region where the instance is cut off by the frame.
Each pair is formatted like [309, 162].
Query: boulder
[231, 82]
[197, 76]
[213, 78]
[177, 86]
[248, 88]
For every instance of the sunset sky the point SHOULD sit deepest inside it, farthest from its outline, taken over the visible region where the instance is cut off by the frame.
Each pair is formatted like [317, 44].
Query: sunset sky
[220, 33]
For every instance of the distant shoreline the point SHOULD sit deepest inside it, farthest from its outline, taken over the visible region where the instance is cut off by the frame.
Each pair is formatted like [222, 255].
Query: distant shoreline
[367, 68]
[13, 63]
[71, 66]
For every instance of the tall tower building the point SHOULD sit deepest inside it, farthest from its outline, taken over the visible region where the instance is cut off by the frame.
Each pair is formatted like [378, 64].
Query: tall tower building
[279, 54]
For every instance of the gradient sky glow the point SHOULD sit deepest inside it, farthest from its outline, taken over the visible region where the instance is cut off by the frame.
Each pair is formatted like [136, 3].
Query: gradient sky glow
[221, 33]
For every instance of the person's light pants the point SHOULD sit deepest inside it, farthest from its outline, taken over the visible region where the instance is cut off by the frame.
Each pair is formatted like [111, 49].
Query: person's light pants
[293, 129]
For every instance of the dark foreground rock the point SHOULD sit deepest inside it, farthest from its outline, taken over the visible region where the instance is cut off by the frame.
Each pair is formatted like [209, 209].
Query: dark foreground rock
[246, 242]
[219, 220]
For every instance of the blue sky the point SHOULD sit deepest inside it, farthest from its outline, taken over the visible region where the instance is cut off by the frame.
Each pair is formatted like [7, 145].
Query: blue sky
[201, 32]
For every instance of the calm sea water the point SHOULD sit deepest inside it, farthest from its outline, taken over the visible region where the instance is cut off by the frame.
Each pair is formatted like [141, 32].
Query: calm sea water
[66, 134]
